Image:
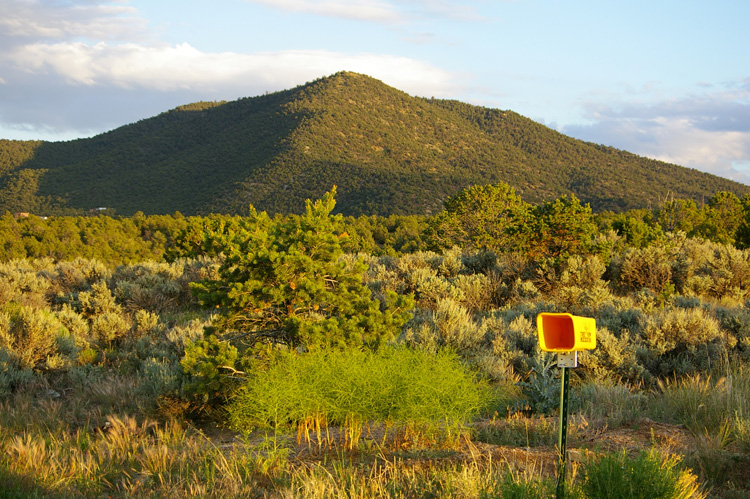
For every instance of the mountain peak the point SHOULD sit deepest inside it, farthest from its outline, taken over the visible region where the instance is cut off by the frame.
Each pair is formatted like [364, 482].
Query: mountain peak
[388, 153]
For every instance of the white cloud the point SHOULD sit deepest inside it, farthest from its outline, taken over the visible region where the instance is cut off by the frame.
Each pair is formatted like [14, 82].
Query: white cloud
[377, 10]
[35, 19]
[709, 132]
[363, 10]
[182, 66]
[103, 85]
[84, 66]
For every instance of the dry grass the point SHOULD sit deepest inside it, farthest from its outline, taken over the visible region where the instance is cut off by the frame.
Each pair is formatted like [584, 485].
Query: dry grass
[90, 446]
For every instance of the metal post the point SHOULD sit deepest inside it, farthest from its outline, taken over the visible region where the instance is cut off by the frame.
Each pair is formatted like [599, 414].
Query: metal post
[562, 440]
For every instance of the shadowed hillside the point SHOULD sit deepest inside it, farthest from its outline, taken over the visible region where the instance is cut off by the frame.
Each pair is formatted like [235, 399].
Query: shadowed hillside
[388, 152]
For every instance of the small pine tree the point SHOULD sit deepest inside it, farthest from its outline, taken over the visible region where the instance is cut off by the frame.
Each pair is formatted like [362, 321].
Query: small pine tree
[284, 282]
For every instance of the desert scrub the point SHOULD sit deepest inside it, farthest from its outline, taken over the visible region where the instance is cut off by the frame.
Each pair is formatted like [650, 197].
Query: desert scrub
[682, 341]
[728, 273]
[35, 338]
[613, 358]
[76, 275]
[581, 282]
[24, 281]
[610, 404]
[701, 403]
[395, 385]
[649, 267]
[450, 325]
[648, 475]
[161, 287]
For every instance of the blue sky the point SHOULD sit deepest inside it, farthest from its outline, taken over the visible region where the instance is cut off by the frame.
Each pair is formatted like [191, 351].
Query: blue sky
[665, 79]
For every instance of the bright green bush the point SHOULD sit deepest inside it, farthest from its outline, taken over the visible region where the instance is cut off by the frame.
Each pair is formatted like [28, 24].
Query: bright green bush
[647, 476]
[395, 384]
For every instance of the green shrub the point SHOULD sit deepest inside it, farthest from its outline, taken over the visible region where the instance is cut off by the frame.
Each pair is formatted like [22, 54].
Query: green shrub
[613, 358]
[649, 267]
[109, 326]
[12, 376]
[159, 377]
[480, 262]
[712, 270]
[429, 287]
[30, 335]
[93, 301]
[395, 384]
[611, 403]
[23, 281]
[476, 291]
[451, 264]
[681, 341]
[76, 325]
[541, 388]
[182, 333]
[284, 281]
[151, 286]
[647, 476]
[583, 272]
[145, 322]
[210, 362]
[450, 326]
[511, 342]
[76, 275]
[729, 271]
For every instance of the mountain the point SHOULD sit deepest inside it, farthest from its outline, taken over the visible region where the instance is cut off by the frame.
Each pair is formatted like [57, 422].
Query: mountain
[388, 152]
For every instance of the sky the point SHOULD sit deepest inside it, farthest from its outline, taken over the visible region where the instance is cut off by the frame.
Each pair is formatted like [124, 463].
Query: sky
[666, 79]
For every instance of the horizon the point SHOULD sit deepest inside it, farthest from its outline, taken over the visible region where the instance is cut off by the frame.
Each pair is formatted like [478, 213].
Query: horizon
[664, 81]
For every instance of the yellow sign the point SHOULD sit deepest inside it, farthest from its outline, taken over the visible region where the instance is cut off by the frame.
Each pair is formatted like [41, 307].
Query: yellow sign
[565, 332]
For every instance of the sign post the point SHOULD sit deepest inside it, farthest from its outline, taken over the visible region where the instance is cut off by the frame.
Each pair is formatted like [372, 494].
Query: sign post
[566, 335]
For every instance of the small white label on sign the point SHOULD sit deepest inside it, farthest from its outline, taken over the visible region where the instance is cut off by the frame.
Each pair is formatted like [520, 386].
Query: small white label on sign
[567, 359]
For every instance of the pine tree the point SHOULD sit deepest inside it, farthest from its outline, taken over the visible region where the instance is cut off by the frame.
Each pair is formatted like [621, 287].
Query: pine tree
[284, 282]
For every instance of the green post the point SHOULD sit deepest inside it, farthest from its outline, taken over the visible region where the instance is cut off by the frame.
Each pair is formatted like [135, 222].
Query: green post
[562, 440]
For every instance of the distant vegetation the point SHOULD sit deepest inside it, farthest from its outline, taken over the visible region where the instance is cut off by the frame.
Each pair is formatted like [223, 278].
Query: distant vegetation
[491, 217]
[388, 152]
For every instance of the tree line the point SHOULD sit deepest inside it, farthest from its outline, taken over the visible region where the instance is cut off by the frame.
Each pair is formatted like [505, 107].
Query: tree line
[492, 217]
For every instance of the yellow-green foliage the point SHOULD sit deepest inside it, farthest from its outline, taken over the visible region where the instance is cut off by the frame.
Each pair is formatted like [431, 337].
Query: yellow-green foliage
[31, 335]
[393, 385]
[647, 476]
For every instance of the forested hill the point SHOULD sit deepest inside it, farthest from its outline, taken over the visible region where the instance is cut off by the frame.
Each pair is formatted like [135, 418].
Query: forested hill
[388, 153]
